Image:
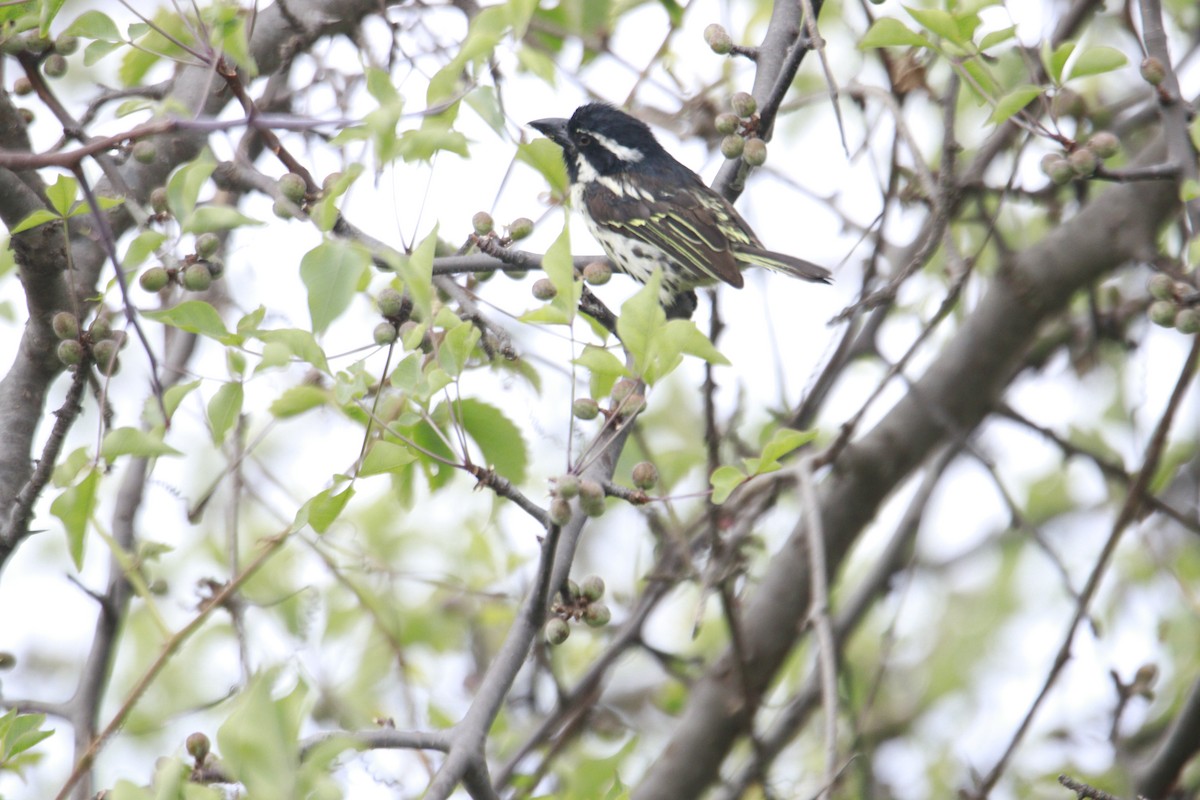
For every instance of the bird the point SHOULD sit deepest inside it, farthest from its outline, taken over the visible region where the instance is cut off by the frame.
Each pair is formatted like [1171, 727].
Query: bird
[648, 211]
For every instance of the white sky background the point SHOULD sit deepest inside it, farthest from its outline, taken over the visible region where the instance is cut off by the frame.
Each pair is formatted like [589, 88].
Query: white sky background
[776, 336]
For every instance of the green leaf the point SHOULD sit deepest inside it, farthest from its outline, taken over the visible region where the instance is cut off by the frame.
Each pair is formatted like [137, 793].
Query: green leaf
[18, 734]
[483, 102]
[416, 271]
[134, 442]
[183, 187]
[724, 480]
[224, 409]
[62, 194]
[331, 272]
[324, 212]
[783, 442]
[457, 346]
[938, 22]
[259, 743]
[300, 343]
[228, 35]
[604, 369]
[172, 397]
[74, 508]
[891, 32]
[141, 247]
[1055, 59]
[299, 399]
[98, 50]
[195, 316]
[1013, 102]
[385, 456]
[658, 346]
[216, 218]
[321, 511]
[1096, 61]
[560, 269]
[94, 25]
[546, 157]
[997, 37]
[499, 440]
[39, 216]
[421, 144]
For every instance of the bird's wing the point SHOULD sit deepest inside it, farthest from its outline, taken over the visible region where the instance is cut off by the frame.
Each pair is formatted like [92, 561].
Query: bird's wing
[690, 225]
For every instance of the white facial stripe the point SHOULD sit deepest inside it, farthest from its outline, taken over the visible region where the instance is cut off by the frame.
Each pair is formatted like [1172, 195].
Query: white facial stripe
[586, 172]
[619, 150]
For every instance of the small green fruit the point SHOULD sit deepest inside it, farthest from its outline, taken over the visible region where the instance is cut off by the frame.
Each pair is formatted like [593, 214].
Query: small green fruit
[65, 325]
[732, 146]
[282, 209]
[101, 327]
[105, 353]
[585, 408]
[597, 273]
[755, 152]
[544, 289]
[144, 152]
[743, 104]
[483, 223]
[1104, 144]
[520, 228]
[591, 588]
[560, 511]
[158, 200]
[390, 302]
[557, 630]
[1057, 168]
[1153, 71]
[330, 181]
[645, 475]
[154, 279]
[55, 66]
[385, 333]
[293, 187]
[590, 490]
[1162, 287]
[597, 615]
[196, 277]
[66, 44]
[1188, 321]
[718, 39]
[726, 123]
[567, 486]
[1083, 162]
[207, 245]
[198, 746]
[70, 352]
[1162, 312]
[22, 86]
[634, 404]
[622, 389]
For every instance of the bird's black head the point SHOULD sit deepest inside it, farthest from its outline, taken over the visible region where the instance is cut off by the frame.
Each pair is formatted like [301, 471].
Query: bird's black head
[600, 140]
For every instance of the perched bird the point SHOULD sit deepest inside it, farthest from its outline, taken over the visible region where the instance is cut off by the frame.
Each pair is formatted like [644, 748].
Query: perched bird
[649, 211]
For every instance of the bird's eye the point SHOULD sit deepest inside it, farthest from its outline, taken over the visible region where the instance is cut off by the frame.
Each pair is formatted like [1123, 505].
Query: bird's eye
[583, 139]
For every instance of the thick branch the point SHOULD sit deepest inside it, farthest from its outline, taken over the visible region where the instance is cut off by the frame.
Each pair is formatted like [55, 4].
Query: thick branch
[950, 400]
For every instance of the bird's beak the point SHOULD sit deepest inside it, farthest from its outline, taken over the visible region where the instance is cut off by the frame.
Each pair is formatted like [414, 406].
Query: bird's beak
[554, 129]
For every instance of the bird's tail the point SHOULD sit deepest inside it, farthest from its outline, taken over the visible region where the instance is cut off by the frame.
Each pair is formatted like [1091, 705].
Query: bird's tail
[788, 265]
